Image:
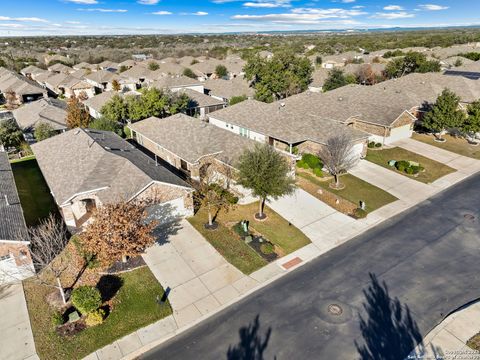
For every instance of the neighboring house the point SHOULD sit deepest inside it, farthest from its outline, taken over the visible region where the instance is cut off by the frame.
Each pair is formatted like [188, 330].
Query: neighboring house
[177, 83]
[200, 104]
[15, 259]
[226, 89]
[192, 146]
[61, 68]
[50, 111]
[85, 65]
[319, 76]
[108, 65]
[140, 57]
[206, 69]
[86, 169]
[129, 63]
[96, 103]
[72, 86]
[23, 89]
[469, 71]
[32, 71]
[138, 74]
[285, 127]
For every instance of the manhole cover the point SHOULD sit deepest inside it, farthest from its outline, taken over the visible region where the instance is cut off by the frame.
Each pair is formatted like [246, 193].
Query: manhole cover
[335, 309]
[469, 217]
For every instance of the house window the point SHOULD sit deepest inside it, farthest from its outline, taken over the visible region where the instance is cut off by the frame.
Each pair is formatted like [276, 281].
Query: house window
[244, 132]
[4, 257]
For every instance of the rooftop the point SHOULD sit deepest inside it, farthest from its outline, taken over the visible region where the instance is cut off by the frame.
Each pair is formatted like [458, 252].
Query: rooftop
[51, 111]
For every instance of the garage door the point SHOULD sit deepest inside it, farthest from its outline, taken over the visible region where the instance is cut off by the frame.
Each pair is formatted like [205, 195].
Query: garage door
[167, 212]
[357, 149]
[399, 133]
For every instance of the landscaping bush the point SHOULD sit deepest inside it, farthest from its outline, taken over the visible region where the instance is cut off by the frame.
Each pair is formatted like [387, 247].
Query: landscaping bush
[231, 198]
[378, 145]
[86, 299]
[57, 319]
[371, 144]
[302, 164]
[95, 317]
[312, 161]
[402, 165]
[238, 228]
[318, 172]
[409, 170]
[359, 213]
[267, 248]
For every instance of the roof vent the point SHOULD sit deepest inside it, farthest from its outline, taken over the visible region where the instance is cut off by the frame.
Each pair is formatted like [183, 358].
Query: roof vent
[340, 98]
[282, 104]
[107, 148]
[6, 200]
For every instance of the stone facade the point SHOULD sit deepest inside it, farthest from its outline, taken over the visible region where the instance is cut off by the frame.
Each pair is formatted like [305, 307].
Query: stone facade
[159, 193]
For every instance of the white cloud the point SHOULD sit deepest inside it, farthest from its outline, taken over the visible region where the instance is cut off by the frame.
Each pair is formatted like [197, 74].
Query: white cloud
[23, 19]
[393, 15]
[393, 8]
[148, 2]
[432, 7]
[104, 10]
[267, 3]
[83, 2]
[200, 13]
[73, 22]
[162, 13]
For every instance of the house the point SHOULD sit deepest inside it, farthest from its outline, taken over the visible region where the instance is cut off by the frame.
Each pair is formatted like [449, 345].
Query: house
[192, 146]
[21, 89]
[85, 65]
[127, 64]
[73, 86]
[226, 89]
[108, 65]
[468, 71]
[177, 83]
[61, 68]
[15, 259]
[140, 57]
[96, 103]
[286, 127]
[32, 71]
[50, 111]
[138, 74]
[86, 169]
[200, 104]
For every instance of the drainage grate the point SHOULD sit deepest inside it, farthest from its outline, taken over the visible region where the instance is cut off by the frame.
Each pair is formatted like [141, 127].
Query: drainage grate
[335, 309]
[469, 217]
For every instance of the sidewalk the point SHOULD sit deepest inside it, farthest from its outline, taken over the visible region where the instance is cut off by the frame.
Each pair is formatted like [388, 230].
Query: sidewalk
[448, 340]
[194, 301]
[17, 338]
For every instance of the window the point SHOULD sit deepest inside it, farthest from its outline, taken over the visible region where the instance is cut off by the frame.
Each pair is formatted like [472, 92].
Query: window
[4, 257]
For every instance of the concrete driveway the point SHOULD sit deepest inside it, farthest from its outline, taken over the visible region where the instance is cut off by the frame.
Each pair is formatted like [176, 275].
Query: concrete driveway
[16, 341]
[199, 278]
[321, 223]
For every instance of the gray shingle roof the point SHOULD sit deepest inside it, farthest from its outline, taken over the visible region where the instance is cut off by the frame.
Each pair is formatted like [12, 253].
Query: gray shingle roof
[192, 139]
[85, 160]
[199, 100]
[12, 222]
[229, 88]
[50, 111]
[11, 81]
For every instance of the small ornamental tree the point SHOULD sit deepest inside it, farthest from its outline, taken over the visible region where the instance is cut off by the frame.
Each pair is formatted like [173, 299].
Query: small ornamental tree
[77, 115]
[471, 125]
[86, 299]
[444, 114]
[116, 85]
[221, 71]
[106, 125]
[43, 131]
[115, 109]
[266, 172]
[336, 79]
[338, 156]
[118, 231]
[10, 134]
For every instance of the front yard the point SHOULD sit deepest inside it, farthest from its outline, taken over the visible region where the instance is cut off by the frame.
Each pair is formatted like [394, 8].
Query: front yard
[35, 197]
[355, 190]
[133, 307]
[285, 237]
[454, 144]
[433, 170]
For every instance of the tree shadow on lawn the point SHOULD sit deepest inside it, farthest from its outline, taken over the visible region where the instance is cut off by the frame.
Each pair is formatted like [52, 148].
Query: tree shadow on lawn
[252, 345]
[389, 332]
[108, 285]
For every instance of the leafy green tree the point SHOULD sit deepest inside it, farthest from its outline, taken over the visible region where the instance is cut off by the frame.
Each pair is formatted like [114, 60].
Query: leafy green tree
[107, 125]
[471, 125]
[237, 99]
[10, 134]
[444, 114]
[221, 71]
[412, 62]
[282, 75]
[318, 60]
[336, 79]
[115, 109]
[44, 131]
[266, 172]
[189, 73]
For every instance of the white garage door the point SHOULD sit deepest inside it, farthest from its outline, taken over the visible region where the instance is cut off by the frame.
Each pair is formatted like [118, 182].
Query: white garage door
[167, 212]
[357, 150]
[399, 133]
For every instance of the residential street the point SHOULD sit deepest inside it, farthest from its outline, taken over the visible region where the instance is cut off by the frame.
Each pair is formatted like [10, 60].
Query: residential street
[428, 258]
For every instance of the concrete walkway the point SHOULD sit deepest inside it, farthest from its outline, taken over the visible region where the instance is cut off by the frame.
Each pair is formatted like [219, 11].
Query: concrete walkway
[448, 340]
[16, 341]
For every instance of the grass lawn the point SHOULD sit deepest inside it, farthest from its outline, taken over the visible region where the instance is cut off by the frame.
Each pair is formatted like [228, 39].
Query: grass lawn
[37, 202]
[134, 307]
[355, 190]
[433, 169]
[454, 144]
[276, 229]
[474, 342]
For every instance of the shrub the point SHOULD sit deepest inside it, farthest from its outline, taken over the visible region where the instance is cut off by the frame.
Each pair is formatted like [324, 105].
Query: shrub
[86, 299]
[267, 248]
[378, 145]
[312, 161]
[302, 164]
[127, 132]
[189, 73]
[359, 213]
[409, 170]
[402, 165]
[416, 169]
[238, 228]
[318, 172]
[95, 317]
[57, 319]
[371, 144]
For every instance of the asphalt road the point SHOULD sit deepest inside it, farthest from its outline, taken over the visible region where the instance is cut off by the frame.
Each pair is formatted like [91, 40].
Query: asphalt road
[428, 258]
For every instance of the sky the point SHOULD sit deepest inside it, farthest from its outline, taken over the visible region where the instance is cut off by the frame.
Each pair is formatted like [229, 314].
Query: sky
[96, 17]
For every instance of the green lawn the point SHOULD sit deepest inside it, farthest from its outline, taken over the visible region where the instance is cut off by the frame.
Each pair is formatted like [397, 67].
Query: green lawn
[456, 145]
[355, 190]
[37, 202]
[433, 169]
[134, 307]
[276, 229]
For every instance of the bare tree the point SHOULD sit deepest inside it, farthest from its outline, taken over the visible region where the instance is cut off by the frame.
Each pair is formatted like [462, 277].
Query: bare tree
[47, 242]
[338, 156]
